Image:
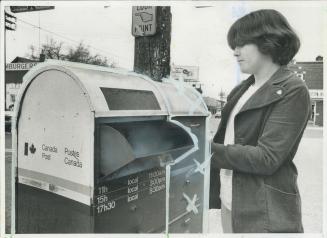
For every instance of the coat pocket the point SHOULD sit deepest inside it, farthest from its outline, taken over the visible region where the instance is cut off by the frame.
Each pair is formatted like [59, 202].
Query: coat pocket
[284, 211]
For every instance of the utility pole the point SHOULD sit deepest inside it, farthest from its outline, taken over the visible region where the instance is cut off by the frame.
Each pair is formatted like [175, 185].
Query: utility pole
[152, 52]
[10, 25]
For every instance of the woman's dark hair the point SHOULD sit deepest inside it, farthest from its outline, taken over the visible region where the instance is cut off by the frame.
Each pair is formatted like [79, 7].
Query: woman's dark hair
[270, 31]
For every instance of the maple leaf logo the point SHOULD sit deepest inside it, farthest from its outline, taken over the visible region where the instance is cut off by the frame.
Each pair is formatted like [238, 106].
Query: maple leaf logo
[32, 149]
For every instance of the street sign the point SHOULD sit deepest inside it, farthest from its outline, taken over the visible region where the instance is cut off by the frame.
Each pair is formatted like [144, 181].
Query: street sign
[17, 9]
[20, 66]
[187, 73]
[144, 21]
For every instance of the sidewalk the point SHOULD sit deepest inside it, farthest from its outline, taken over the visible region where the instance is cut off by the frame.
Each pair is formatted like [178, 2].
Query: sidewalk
[313, 127]
[215, 221]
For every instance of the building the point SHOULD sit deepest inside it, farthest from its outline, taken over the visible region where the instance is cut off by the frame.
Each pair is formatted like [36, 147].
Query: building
[213, 105]
[312, 74]
[14, 74]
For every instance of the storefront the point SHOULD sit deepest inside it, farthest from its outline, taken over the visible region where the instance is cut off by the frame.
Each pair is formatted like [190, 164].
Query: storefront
[317, 97]
[214, 105]
[312, 74]
[15, 72]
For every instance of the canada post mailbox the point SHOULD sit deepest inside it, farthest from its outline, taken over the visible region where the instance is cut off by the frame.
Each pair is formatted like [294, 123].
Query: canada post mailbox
[107, 151]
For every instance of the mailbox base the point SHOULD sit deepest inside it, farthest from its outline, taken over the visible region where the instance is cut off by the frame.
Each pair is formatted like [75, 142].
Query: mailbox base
[39, 211]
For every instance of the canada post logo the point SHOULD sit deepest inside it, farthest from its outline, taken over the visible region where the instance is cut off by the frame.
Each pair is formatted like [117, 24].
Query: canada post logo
[29, 149]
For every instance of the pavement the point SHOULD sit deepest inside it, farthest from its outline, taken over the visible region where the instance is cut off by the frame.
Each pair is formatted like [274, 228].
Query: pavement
[309, 161]
[8, 190]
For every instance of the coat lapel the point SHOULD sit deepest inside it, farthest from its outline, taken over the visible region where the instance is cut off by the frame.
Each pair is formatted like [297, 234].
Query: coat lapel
[234, 99]
[270, 92]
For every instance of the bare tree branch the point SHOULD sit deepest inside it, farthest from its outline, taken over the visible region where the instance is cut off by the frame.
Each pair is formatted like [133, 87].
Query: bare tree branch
[81, 53]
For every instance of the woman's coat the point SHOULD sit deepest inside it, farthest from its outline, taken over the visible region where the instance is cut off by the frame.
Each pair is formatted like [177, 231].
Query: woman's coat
[268, 130]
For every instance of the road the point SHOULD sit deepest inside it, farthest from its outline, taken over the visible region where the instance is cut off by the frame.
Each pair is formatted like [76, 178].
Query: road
[309, 163]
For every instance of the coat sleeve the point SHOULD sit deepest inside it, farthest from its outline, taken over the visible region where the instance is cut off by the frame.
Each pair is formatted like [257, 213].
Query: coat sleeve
[281, 135]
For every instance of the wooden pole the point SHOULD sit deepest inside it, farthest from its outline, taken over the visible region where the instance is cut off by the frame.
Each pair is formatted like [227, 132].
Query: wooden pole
[152, 53]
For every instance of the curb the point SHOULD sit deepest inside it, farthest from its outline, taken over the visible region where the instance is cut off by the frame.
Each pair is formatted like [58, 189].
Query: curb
[316, 128]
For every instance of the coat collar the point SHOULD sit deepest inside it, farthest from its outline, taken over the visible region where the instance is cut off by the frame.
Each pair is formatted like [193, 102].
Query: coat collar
[269, 92]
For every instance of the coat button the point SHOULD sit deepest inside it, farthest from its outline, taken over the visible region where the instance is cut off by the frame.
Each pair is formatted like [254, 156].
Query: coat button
[279, 92]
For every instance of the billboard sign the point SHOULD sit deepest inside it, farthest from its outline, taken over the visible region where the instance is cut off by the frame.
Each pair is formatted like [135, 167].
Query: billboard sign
[187, 73]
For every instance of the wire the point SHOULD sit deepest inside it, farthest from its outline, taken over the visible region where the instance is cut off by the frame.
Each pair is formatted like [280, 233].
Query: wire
[64, 37]
[77, 42]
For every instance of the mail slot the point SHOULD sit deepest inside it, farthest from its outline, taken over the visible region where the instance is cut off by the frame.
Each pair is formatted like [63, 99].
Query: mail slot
[101, 150]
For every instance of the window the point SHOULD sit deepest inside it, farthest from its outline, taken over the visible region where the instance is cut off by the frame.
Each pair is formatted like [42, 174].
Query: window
[128, 99]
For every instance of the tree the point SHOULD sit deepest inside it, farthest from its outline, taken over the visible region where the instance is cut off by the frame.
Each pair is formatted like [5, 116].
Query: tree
[319, 58]
[51, 50]
[81, 54]
[152, 53]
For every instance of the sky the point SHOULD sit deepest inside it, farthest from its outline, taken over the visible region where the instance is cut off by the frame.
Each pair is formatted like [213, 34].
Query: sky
[198, 34]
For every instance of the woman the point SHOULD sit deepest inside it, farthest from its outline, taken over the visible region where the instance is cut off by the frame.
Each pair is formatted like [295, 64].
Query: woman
[261, 127]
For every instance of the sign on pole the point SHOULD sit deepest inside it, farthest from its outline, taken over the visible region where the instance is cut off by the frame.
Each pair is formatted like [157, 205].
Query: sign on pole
[187, 73]
[17, 9]
[144, 21]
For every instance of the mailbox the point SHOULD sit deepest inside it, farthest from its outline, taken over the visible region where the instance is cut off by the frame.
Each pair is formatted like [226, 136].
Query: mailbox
[102, 150]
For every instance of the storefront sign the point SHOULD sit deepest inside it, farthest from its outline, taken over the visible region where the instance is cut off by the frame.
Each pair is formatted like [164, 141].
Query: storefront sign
[316, 93]
[20, 66]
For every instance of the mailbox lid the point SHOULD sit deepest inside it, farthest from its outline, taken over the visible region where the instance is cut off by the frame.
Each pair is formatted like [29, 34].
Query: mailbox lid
[109, 91]
[130, 94]
[118, 92]
[182, 99]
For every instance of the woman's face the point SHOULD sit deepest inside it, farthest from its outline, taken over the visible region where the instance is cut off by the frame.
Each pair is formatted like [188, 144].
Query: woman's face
[250, 59]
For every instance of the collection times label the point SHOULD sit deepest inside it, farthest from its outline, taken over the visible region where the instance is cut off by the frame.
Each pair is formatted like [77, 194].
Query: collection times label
[129, 189]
